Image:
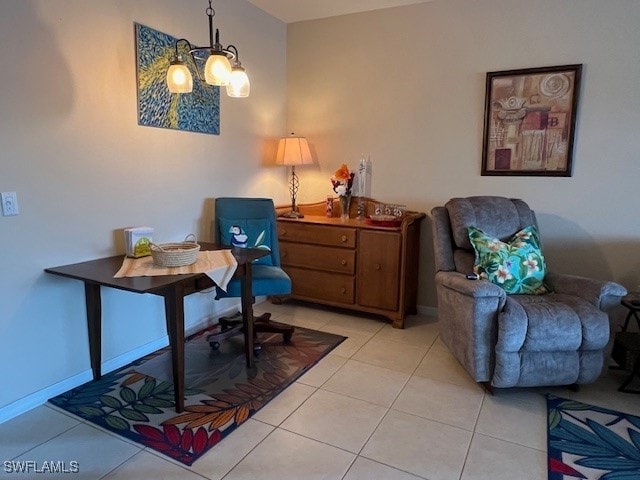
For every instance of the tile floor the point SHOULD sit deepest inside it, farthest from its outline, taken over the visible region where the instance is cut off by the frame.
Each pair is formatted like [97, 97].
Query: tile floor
[385, 404]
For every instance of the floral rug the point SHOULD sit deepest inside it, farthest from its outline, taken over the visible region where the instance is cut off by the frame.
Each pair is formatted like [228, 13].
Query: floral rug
[137, 401]
[588, 442]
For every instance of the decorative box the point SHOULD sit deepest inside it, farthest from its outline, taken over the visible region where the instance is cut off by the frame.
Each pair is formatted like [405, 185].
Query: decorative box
[137, 241]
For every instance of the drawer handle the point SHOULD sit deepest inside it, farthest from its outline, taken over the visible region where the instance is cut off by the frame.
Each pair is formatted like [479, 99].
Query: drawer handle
[343, 263]
[284, 254]
[377, 266]
[284, 231]
[343, 238]
[343, 290]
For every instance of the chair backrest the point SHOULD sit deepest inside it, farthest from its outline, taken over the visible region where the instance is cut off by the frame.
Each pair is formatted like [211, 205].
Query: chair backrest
[256, 217]
[497, 216]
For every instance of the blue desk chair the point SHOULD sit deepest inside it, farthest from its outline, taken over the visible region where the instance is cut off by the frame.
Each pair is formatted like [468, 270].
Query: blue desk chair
[251, 223]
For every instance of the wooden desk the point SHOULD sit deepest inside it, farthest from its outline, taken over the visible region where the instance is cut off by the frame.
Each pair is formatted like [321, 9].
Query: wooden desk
[173, 288]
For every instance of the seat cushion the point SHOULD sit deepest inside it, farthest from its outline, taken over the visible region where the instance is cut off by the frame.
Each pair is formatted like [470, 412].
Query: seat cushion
[549, 335]
[552, 322]
[267, 280]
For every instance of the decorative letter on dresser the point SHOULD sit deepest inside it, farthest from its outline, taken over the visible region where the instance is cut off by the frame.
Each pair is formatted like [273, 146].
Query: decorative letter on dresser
[351, 263]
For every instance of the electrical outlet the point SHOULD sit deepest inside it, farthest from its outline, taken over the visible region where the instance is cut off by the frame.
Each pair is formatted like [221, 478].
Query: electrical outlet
[9, 204]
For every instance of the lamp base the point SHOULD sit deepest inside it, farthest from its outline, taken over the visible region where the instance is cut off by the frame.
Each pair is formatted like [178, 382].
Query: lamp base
[293, 214]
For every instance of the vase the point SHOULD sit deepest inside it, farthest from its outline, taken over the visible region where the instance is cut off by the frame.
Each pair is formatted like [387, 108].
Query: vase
[345, 202]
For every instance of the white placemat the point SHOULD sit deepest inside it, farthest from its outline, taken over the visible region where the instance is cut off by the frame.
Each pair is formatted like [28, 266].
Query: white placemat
[218, 265]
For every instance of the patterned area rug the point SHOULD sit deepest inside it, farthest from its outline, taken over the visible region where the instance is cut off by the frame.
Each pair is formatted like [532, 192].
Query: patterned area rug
[589, 442]
[136, 401]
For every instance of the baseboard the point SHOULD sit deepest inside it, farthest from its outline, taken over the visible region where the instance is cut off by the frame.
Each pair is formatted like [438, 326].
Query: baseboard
[40, 397]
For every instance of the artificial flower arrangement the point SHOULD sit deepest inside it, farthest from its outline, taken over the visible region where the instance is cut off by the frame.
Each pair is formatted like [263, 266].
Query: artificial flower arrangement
[342, 181]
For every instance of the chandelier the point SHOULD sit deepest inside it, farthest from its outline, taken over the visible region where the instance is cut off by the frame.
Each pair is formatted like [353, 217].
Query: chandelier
[218, 69]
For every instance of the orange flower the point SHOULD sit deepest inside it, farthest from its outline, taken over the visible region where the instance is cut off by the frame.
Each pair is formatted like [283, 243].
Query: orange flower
[342, 174]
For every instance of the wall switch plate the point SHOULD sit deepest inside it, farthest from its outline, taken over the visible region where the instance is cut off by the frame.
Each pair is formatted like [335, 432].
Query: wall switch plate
[9, 204]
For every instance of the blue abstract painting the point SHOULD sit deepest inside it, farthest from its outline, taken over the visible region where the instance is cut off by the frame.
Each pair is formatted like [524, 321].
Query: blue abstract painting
[198, 111]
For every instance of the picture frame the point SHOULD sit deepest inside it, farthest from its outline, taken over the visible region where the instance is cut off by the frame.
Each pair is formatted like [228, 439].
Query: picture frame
[197, 112]
[529, 121]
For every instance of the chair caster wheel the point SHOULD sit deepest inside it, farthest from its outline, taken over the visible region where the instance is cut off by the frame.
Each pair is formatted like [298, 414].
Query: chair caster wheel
[215, 345]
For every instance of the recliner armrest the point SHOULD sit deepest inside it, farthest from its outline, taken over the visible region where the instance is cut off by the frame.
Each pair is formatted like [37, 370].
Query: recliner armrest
[472, 288]
[468, 311]
[604, 295]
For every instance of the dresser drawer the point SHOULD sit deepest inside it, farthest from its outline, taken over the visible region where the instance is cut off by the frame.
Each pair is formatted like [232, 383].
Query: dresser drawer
[319, 235]
[330, 259]
[331, 287]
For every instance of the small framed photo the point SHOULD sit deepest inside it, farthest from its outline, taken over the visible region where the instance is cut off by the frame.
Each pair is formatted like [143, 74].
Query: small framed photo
[530, 118]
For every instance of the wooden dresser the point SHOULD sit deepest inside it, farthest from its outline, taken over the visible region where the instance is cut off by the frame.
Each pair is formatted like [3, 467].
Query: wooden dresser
[351, 264]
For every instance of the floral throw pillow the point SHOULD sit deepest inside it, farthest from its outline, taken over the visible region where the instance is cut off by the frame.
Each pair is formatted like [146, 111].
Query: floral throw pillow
[516, 265]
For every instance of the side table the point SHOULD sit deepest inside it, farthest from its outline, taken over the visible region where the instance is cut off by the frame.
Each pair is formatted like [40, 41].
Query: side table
[626, 353]
[632, 302]
[173, 288]
[626, 345]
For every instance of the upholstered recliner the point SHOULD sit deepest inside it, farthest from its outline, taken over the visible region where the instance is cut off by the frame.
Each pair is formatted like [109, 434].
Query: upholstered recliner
[505, 340]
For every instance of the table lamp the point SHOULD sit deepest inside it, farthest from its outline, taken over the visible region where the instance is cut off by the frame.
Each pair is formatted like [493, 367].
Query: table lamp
[293, 151]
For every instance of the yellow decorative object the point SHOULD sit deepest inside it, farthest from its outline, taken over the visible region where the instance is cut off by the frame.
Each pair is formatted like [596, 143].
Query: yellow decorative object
[138, 241]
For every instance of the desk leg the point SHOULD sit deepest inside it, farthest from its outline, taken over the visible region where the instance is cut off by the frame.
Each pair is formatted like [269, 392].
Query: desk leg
[174, 312]
[247, 314]
[94, 326]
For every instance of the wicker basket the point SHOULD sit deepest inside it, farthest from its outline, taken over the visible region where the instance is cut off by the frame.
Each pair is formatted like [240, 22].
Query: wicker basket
[175, 254]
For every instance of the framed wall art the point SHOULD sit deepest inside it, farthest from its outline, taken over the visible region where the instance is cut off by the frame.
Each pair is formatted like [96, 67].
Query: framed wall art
[198, 111]
[530, 118]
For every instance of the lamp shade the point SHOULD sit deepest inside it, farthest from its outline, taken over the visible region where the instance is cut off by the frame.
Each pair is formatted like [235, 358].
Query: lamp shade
[293, 151]
[239, 86]
[217, 70]
[179, 79]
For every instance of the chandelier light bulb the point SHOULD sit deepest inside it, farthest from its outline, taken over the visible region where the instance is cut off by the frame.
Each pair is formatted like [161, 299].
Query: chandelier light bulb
[217, 70]
[179, 78]
[239, 86]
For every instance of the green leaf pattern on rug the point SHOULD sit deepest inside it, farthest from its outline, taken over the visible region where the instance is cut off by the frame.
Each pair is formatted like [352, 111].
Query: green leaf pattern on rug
[134, 403]
[116, 412]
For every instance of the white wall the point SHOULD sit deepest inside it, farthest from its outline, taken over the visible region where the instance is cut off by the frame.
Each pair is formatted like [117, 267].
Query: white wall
[406, 85]
[84, 169]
